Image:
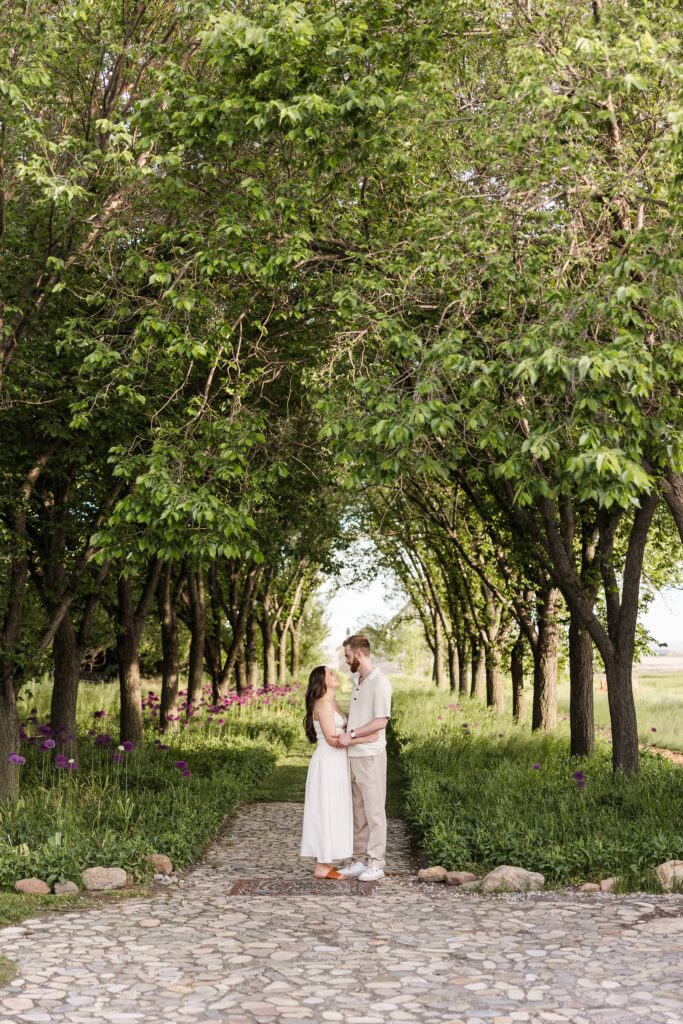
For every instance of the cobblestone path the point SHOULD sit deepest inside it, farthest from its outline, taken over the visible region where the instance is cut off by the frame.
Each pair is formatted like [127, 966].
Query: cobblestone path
[207, 949]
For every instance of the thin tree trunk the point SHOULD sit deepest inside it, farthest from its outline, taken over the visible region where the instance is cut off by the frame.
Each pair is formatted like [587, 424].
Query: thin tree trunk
[195, 674]
[495, 697]
[282, 656]
[251, 653]
[465, 668]
[240, 673]
[622, 713]
[295, 651]
[544, 714]
[67, 669]
[453, 667]
[170, 660]
[478, 670]
[268, 646]
[131, 619]
[438, 668]
[581, 714]
[517, 673]
[129, 665]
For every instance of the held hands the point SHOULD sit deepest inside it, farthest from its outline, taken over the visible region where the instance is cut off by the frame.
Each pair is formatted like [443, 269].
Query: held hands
[344, 739]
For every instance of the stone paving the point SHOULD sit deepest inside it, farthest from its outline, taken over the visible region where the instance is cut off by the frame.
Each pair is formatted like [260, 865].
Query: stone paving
[192, 952]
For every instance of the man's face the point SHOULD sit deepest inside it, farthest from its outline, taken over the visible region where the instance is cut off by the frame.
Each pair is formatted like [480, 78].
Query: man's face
[351, 657]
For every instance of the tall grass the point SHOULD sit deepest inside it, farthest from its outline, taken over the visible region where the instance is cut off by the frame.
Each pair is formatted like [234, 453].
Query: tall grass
[482, 792]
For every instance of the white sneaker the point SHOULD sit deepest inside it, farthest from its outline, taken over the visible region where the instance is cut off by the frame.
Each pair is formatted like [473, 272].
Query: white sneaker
[355, 870]
[371, 875]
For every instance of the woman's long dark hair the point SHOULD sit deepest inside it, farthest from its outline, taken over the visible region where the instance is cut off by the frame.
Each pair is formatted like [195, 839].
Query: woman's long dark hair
[316, 690]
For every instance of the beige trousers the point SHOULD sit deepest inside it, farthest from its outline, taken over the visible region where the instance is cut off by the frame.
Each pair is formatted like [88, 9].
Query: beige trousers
[369, 793]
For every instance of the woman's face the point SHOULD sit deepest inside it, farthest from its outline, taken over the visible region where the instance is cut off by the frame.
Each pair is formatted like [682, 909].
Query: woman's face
[331, 679]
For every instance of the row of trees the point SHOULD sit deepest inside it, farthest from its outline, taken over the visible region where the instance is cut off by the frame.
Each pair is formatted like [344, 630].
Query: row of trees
[251, 253]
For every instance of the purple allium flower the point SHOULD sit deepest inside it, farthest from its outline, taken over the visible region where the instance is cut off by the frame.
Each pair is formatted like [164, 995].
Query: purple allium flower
[579, 776]
[16, 759]
[45, 730]
[103, 740]
[128, 746]
[72, 765]
[537, 766]
[47, 745]
[164, 746]
[180, 764]
[118, 758]
[99, 714]
[60, 761]
[186, 773]
[653, 729]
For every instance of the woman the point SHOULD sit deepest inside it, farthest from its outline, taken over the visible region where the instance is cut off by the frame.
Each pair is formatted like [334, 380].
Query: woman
[328, 812]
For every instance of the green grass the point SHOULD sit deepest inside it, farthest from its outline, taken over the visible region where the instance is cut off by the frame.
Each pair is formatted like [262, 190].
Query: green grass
[475, 799]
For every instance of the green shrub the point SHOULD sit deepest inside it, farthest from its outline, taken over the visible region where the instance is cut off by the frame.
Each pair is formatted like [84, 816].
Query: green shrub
[480, 792]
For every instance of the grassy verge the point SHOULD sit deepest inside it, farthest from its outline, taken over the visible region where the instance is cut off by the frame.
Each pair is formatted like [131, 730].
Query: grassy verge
[482, 792]
[115, 806]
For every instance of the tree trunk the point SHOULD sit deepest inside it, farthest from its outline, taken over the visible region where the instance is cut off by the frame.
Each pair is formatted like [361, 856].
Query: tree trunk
[478, 687]
[127, 649]
[130, 620]
[495, 697]
[240, 674]
[251, 653]
[67, 669]
[268, 649]
[195, 674]
[465, 668]
[453, 667]
[622, 713]
[9, 735]
[581, 718]
[170, 661]
[544, 714]
[282, 656]
[439, 667]
[295, 651]
[517, 673]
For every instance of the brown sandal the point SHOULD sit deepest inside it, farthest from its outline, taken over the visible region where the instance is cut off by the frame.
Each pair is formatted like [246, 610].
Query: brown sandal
[332, 873]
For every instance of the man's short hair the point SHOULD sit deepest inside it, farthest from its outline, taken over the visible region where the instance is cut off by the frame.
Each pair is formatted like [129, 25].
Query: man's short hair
[358, 643]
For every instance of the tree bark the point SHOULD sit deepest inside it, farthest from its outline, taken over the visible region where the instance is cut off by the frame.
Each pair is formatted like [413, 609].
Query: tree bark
[67, 657]
[544, 713]
[439, 668]
[170, 661]
[251, 653]
[478, 687]
[295, 651]
[195, 673]
[453, 667]
[240, 673]
[131, 619]
[282, 655]
[517, 673]
[581, 714]
[465, 668]
[495, 697]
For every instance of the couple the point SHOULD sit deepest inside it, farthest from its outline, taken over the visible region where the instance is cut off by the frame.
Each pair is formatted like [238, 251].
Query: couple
[346, 786]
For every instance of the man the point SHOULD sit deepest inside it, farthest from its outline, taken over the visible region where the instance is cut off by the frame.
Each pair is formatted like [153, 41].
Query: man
[369, 712]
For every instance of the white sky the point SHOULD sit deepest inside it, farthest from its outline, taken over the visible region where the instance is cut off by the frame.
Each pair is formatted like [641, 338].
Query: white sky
[351, 607]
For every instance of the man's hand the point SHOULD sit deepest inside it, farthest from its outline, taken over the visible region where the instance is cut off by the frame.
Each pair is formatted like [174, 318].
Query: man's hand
[344, 739]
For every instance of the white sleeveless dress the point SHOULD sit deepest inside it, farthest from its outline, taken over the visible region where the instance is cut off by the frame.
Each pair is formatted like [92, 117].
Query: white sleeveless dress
[328, 811]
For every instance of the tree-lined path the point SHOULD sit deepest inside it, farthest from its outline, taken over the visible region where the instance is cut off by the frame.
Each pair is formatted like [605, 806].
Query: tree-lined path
[408, 952]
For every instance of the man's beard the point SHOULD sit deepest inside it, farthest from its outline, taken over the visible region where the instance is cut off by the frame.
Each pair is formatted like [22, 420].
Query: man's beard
[355, 665]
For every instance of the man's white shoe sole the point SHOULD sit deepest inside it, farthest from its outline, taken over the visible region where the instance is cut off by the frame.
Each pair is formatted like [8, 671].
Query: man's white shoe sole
[371, 876]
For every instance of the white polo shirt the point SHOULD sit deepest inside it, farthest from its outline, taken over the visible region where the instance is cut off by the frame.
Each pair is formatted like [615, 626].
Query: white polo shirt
[369, 699]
